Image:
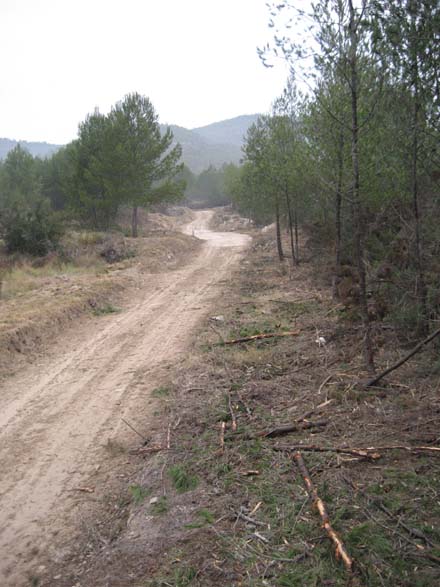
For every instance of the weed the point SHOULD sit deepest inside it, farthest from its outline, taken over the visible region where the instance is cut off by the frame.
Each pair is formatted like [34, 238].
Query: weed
[204, 517]
[139, 493]
[182, 480]
[161, 392]
[161, 506]
[105, 309]
[89, 237]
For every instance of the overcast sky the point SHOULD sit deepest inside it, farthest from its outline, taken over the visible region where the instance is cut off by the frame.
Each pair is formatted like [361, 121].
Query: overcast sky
[195, 59]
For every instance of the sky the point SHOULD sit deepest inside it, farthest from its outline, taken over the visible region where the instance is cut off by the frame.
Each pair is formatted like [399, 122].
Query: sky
[195, 59]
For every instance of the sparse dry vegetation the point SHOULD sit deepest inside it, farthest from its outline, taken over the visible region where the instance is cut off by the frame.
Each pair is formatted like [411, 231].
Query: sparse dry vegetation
[89, 273]
[259, 527]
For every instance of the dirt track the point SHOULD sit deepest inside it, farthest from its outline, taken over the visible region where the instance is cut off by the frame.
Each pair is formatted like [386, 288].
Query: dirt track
[56, 417]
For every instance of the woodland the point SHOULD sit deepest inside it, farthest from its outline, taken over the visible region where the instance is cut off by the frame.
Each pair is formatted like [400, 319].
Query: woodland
[356, 160]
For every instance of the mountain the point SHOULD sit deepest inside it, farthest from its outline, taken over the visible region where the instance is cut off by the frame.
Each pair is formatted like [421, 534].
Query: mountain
[229, 131]
[214, 144]
[199, 154]
[36, 149]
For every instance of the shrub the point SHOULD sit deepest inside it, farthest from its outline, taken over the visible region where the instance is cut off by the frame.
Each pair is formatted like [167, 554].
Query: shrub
[33, 230]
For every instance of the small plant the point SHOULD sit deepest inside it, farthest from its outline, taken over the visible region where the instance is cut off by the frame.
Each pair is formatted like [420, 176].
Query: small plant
[161, 392]
[139, 493]
[90, 237]
[182, 480]
[184, 577]
[105, 309]
[204, 517]
[161, 506]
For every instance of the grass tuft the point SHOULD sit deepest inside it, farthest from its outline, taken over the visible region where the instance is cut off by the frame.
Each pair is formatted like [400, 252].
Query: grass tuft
[182, 480]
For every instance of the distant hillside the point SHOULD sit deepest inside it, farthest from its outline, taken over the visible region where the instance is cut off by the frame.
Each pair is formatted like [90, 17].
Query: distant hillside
[229, 131]
[214, 144]
[36, 149]
[199, 154]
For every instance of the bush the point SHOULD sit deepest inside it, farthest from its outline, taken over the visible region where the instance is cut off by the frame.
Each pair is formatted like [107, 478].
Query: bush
[34, 230]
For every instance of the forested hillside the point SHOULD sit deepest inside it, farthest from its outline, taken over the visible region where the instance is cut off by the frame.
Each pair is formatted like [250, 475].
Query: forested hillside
[212, 145]
[199, 152]
[35, 149]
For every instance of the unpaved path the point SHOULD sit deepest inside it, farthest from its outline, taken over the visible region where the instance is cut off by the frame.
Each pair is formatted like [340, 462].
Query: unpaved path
[56, 416]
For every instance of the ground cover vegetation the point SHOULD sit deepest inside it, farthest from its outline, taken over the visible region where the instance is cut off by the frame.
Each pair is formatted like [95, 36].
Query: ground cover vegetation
[218, 498]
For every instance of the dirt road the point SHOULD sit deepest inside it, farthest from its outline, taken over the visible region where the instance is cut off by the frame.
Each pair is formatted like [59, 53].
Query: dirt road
[57, 416]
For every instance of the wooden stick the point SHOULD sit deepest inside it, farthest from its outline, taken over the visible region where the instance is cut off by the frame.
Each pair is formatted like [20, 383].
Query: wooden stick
[259, 337]
[415, 350]
[341, 552]
[134, 430]
[169, 437]
[355, 452]
[222, 436]
[282, 430]
[231, 411]
[370, 452]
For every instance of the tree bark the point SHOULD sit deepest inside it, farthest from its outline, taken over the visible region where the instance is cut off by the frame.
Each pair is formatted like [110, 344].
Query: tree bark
[292, 245]
[359, 221]
[134, 222]
[295, 217]
[339, 198]
[278, 229]
[338, 222]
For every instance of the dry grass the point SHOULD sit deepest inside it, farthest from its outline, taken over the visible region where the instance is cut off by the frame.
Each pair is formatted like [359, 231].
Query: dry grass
[40, 296]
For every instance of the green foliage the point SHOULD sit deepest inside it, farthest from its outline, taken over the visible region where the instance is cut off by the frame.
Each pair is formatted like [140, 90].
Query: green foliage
[161, 391]
[161, 506]
[182, 480]
[121, 158]
[27, 222]
[36, 232]
[105, 309]
[210, 187]
[139, 493]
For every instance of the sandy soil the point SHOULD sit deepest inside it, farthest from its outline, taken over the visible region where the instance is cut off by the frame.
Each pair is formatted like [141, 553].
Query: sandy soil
[56, 416]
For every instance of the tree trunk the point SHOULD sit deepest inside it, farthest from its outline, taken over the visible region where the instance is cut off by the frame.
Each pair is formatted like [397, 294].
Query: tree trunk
[295, 220]
[292, 245]
[134, 222]
[278, 228]
[339, 199]
[359, 221]
[338, 223]
[420, 276]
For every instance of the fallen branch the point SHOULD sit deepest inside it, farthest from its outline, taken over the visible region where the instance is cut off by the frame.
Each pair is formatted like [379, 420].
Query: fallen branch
[420, 550]
[355, 452]
[370, 452]
[259, 337]
[144, 438]
[341, 552]
[415, 532]
[415, 350]
[282, 430]
[279, 431]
